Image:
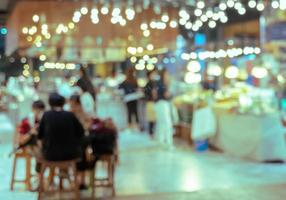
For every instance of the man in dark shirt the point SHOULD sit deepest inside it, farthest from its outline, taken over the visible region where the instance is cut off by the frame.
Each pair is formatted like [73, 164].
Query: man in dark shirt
[60, 132]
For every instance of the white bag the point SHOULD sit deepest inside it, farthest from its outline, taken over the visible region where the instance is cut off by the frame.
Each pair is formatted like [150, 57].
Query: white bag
[204, 124]
[133, 96]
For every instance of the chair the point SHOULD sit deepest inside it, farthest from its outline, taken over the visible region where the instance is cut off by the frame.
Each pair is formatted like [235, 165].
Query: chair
[56, 169]
[28, 160]
[110, 160]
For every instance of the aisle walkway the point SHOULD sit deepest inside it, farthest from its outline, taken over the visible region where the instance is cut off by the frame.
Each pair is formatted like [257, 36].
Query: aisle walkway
[148, 169]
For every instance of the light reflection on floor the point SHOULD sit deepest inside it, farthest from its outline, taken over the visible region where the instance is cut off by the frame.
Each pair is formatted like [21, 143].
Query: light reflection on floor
[146, 168]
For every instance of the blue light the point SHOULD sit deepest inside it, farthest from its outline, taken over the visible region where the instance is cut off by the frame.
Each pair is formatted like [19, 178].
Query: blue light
[4, 31]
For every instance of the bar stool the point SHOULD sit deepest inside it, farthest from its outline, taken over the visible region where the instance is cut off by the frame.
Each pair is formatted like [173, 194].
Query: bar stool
[108, 181]
[56, 169]
[28, 160]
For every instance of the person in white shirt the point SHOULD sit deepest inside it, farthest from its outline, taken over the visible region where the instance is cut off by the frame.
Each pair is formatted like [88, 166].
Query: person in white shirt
[87, 102]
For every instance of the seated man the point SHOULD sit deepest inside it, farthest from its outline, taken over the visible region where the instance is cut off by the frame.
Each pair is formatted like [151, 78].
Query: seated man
[60, 131]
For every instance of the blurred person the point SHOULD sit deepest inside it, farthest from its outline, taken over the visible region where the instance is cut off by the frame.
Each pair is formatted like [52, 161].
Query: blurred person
[86, 121]
[28, 128]
[150, 97]
[130, 88]
[87, 102]
[163, 84]
[166, 115]
[60, 132]
[77, 109]
[85, 83]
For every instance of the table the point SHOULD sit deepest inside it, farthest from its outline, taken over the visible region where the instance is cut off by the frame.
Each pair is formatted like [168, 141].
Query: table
[260, 138]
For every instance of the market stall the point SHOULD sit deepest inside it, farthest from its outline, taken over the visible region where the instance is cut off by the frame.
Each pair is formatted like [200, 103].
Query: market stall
[256, 137]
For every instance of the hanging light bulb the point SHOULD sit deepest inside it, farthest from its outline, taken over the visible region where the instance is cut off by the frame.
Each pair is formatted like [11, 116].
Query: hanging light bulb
[275, 4]
[259, 72]
[189, 25]
[130, 14]
[237, 5]
[198, 12]
[25, 30]
[173, 24]
[260, 6]
[201, 4]
[144, 26]
[230, 3]
[209, 13]
[252, 3]
[194, 66]
[84, 10]
[150, 47]
[231, 72]
[165, 18]
[224, 19]
[222, 6]
[212, 24]
[104, 10]
[242, 11]
[146, 33]
[204, 18]
[36, 18]
[192, 78]
[214, 70]
[116, 11]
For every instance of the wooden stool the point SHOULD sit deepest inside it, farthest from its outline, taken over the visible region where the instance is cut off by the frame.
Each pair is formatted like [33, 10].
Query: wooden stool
[28, 159]
[109, 180]
[60, 166]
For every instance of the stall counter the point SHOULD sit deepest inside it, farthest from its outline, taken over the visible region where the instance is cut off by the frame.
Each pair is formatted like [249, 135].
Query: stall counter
[257, 137]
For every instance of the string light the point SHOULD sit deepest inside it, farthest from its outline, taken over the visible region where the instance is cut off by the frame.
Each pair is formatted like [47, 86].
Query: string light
[104, 10]
[252, 3]
[36, 18]
[84, 10]
[173, 24]
[150, 47]
[275, 4]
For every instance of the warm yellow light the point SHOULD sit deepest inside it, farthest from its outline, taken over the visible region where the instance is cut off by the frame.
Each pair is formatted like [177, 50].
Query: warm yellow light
[26, 73]
[132, 50]
[36, 18]
[150, 47]
[37, 79]
[25, 30]
[133, 59]
[214, 70]
[38, 44]
[194, 66]
[140, 67]
[44, 26]
[43, 57]
[150, 67]
[192, 78]
[232, 72]
[48, 36]
[146, 33]
[145, 57]
[29, 39]
[140, 49]
[26, 66]
[71, 25]
[154, 60]
[259, 72]
[65, 29]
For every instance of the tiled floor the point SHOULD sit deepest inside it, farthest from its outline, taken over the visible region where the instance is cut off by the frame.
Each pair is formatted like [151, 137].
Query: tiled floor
[149, 169]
